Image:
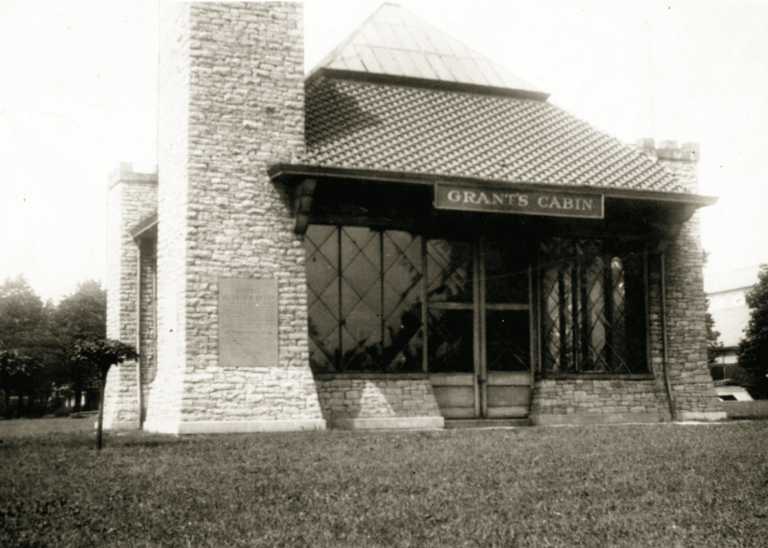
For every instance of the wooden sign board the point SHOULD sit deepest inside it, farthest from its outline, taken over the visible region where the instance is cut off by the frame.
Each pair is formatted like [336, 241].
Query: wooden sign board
[248, 320]
[521, 202]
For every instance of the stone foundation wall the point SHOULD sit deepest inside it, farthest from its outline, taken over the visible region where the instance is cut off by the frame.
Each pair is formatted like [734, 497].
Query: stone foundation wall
[645, 399]
[350, 399]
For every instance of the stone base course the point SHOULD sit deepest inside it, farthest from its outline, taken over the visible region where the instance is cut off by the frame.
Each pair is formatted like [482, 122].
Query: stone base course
[703, 417]
[121, 398]
[233, 427]
[389, 423]
[117, 426]
[608, 397]
[347, 399]
[611, 418]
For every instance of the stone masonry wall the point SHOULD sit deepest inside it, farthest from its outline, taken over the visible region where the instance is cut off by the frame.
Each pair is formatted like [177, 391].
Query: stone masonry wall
[237, 82]
[646, 399]
[132, 197]
[692, 386]
[623, 399]
[174, 75]
[364, 396]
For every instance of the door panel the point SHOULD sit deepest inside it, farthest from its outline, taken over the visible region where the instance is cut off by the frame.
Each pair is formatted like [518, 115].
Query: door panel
[455, 394]
[508, 346]
[514, 378]
[507, 362]
[479, 341]
[451, 340]
[508, 396]
[520, 412]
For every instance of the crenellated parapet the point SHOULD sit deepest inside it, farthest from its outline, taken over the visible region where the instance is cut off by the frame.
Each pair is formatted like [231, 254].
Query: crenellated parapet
[682, 160]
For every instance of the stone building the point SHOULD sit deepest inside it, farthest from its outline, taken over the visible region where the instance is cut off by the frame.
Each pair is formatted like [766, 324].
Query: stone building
[410, 236]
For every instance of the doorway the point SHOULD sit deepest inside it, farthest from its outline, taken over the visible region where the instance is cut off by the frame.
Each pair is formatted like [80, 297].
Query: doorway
[479, 332]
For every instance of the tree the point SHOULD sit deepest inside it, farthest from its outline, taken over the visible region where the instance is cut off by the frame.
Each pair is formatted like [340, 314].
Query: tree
[21, 312]
[753, 348]
[714, 345]
[27, 343]
[14, 376]
[80, 316]
[101, 355]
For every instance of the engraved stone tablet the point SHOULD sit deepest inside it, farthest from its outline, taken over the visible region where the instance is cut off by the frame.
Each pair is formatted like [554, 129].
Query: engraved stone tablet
[247, 322]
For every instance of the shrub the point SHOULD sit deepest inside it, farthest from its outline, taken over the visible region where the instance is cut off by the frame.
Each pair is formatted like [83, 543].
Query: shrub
[62, 411]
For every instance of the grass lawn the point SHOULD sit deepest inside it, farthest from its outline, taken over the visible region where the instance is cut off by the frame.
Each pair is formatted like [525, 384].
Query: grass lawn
[647, 485]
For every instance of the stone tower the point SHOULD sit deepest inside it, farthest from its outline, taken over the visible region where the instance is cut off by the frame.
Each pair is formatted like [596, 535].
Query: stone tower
[232, 351]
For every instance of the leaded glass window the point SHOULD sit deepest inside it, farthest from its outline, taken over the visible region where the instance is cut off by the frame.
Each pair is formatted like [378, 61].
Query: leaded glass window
[450, 294]
[592, 308]
[365, 311]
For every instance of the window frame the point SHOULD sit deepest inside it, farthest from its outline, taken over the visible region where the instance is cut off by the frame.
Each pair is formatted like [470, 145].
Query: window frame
[611, 250]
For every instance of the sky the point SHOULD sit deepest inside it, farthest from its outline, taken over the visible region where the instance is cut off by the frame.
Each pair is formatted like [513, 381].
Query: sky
[78, 95]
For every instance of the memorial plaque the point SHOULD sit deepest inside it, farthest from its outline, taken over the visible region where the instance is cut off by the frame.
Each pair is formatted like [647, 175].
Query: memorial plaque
[247, 322]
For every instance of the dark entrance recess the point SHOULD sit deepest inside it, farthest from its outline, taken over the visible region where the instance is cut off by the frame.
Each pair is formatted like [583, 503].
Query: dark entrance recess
[479, 304]
[389, 301]
[398, 286]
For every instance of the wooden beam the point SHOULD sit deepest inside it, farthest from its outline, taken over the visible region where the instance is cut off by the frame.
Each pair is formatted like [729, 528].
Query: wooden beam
[302, 204]
[292, 171]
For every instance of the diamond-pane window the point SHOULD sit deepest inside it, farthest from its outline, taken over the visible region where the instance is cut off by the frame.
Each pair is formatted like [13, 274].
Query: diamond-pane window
[365, 309]
[587, 296]
[450, 271]
[402, 306]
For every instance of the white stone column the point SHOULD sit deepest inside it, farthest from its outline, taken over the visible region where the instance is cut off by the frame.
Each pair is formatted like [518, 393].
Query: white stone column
[231, 101]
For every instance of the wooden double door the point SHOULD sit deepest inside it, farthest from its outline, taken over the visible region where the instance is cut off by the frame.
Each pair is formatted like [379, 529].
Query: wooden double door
[480, 329]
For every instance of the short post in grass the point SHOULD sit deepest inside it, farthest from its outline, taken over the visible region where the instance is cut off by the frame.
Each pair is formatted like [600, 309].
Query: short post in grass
[102, 354]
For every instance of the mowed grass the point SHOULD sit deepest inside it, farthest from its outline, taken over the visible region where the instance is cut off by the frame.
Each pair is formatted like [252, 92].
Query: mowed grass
[645, 485]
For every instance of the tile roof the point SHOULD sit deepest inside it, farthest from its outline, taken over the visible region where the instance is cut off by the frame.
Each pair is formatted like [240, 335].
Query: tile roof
[395, 42]
[379, 126]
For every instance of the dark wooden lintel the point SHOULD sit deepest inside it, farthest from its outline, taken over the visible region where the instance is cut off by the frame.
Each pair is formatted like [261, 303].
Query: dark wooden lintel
[302, 204]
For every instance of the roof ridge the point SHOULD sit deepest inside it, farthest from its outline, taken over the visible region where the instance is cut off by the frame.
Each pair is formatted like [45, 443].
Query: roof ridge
[331, 55]
[393, 42]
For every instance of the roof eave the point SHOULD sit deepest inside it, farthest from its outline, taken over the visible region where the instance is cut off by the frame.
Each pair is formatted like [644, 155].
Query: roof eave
[289, 172]
[143, 227]
[409, 81]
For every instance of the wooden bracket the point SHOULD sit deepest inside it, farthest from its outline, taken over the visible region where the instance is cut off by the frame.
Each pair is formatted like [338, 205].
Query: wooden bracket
[667, 232]
[302, 204]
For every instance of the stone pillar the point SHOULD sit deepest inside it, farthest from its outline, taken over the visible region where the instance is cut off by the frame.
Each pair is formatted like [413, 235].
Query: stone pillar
[584, 401]
[692, 386]
[132, 197]
[231, 100]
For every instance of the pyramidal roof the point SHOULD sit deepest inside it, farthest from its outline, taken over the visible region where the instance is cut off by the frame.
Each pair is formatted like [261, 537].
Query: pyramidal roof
[394, 42]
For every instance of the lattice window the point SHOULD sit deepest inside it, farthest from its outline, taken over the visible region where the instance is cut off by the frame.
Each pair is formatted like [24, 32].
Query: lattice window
[592, 306]
[364, 299]
[450, 279]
